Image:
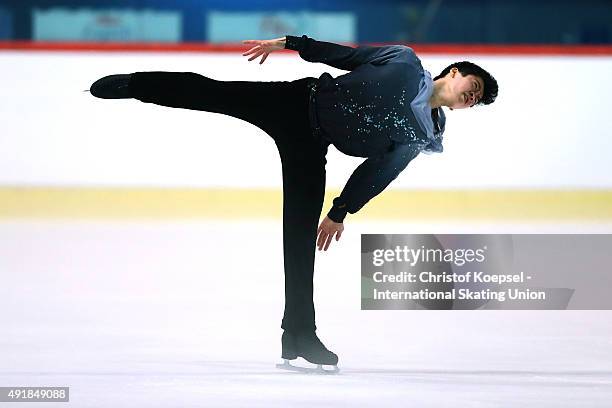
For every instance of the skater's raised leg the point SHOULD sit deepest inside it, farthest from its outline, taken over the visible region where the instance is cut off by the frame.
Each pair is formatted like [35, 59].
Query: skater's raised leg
[112, 87]
[271, 106]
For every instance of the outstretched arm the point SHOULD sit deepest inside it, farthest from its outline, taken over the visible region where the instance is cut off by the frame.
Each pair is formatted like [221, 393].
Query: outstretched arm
[345, 57]
[334, 55]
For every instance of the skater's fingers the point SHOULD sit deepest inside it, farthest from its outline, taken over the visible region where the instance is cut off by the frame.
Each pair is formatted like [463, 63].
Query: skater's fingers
[264, 57]
[320, 239]
[256, 55]
[338, 234]
[323, 240]
[252, 50]
[249, 50]
[328, 241]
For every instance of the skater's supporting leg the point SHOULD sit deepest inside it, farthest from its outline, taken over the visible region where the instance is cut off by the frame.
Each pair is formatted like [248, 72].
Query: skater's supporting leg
[306, 344]
[303, 194]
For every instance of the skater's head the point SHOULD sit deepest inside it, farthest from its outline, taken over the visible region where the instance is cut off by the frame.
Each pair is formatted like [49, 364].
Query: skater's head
[464, 85]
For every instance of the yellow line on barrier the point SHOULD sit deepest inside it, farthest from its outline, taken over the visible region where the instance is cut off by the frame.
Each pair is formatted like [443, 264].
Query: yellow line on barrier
[87, 202]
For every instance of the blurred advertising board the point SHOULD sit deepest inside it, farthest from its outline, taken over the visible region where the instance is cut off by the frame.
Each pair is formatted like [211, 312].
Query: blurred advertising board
[236, 26]
[6, 24]
[120, 25]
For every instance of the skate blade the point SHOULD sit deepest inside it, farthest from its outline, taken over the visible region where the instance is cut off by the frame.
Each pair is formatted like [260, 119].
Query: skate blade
[286, 365]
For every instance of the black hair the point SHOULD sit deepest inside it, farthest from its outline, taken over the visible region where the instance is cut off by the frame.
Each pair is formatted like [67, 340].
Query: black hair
[466, 68]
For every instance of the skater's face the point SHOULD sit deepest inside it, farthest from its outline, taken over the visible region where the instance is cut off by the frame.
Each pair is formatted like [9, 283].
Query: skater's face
[465, 91]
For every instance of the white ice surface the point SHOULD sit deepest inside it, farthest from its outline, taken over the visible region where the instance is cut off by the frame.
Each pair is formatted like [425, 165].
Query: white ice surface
[187, 314]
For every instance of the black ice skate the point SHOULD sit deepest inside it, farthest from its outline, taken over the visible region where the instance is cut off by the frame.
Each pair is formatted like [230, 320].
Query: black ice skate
[112, 87]
[308, 346]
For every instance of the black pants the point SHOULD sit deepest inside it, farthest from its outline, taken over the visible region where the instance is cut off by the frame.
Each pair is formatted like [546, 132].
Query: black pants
[281, 110]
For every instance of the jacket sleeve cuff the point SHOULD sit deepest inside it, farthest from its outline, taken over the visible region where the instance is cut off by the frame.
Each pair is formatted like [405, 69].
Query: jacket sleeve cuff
[294, 43]
[337, 214]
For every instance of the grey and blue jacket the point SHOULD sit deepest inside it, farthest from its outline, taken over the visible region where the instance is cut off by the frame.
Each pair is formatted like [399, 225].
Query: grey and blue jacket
[379, 110]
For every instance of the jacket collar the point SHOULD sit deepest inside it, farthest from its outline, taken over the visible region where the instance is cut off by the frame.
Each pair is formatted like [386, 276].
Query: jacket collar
[431, 121]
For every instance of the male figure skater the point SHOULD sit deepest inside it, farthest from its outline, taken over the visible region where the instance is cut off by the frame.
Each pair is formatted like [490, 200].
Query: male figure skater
[386, 109]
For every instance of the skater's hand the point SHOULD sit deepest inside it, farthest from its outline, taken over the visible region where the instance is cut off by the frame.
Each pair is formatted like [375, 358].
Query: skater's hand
[326, 232]
[264, 47]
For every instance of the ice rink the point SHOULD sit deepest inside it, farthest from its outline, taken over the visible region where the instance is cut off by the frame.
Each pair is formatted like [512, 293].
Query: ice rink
[186, 313]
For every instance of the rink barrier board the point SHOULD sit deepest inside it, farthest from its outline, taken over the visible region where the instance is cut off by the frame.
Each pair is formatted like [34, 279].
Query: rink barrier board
[486, 49]
[78, 202]
[224, 203]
